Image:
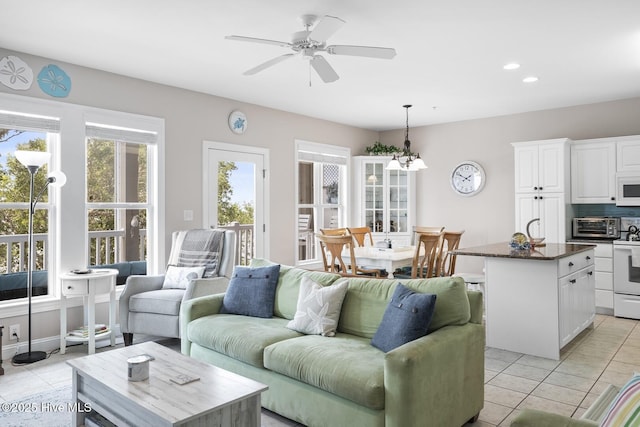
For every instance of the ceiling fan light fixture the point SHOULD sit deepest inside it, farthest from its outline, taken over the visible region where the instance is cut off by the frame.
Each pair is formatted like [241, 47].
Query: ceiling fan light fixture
[311, 41]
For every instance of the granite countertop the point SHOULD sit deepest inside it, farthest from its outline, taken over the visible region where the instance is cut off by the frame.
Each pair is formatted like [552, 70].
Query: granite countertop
[549, 252]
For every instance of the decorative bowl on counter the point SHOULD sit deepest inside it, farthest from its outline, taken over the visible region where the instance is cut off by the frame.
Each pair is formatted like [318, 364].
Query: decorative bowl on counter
[536, 241]
[520, 242]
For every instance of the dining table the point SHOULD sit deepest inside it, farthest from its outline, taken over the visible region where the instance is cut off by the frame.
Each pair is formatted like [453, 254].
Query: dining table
[383, 258]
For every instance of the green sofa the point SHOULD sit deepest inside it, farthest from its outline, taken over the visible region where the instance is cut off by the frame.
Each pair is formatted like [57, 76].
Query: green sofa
[436, 380]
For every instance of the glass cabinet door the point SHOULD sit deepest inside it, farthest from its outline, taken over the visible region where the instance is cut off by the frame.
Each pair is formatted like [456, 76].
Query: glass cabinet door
[398, 209]
[386, 205]
[374, 196]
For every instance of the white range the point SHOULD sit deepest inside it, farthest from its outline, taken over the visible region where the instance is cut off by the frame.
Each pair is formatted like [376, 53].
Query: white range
[626, 269]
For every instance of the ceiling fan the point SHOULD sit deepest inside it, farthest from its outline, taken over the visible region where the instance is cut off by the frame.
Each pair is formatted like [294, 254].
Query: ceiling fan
[310, 42]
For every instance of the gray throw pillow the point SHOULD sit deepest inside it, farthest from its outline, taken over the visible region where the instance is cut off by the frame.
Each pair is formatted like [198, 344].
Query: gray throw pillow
[318, 309]
[251, 291]
[406, 318]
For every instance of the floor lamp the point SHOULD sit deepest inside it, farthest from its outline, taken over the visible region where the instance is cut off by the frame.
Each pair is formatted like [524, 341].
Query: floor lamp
[33, 160]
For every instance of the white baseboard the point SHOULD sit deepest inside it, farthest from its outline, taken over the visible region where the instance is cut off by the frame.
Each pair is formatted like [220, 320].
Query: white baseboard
[49, 344]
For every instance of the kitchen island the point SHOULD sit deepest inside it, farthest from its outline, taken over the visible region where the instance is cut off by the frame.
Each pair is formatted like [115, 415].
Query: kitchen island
[537, 300]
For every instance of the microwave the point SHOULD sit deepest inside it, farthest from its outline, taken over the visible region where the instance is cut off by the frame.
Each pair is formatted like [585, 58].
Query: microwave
[628, 189]
[596, 227]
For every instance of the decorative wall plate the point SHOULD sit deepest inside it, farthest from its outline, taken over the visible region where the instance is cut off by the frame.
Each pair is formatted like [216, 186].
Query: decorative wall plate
[15, 73]
[54, 82]
[238, 122]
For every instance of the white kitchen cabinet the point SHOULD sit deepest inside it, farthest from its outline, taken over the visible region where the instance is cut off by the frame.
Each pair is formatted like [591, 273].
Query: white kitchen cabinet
[537, 302]
[593, 171]
[604, 278]
[383, 200]
[549, 207]
[542, 187]
[576, 302]
[628, 153]
[541, 165]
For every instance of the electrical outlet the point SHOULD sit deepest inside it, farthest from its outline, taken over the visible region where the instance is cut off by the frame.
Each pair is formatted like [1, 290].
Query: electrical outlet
[14, 332]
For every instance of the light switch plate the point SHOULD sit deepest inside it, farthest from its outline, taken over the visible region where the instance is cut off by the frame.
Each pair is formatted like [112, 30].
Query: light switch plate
[188, 215]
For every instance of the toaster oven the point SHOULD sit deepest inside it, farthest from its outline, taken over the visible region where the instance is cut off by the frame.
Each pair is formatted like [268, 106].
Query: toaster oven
[596, 227]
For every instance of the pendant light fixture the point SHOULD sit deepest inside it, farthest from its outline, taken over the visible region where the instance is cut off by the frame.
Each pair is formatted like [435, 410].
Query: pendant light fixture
[406, 160]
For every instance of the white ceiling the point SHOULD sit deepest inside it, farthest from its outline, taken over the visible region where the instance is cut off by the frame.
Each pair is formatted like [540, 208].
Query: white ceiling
[450, 53]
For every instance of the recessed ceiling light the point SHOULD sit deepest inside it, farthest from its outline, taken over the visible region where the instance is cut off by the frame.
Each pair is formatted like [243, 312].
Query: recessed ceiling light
[512, 66]
[530, 79]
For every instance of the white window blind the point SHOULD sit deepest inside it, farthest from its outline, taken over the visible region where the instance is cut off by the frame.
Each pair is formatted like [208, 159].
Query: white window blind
[112, 133]
[11, 120]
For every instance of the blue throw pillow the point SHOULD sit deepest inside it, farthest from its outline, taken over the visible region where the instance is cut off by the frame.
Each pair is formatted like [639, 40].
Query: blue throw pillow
[251, 291]
[406, 318]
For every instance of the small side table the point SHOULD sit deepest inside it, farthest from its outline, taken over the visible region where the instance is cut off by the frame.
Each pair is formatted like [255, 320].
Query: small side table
[88, 285]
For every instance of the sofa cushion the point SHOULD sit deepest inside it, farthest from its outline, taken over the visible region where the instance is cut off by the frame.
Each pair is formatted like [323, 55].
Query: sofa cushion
[367, 299]
[625, 408]
[251, 291]
[240, 337]
[318, 309]
[161, 301]
[406, 318]
[288, 286]
[344, 365]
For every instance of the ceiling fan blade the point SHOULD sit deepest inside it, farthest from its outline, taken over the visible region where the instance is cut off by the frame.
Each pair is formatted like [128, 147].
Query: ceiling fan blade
[325, 28]
[367, 51]
[324, 70]
[255, 40]
[268, 64]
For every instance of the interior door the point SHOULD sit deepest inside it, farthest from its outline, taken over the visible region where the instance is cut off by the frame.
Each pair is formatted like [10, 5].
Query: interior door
[244, 185]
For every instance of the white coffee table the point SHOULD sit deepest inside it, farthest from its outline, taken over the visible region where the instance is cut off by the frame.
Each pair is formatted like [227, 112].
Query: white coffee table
[218, 397]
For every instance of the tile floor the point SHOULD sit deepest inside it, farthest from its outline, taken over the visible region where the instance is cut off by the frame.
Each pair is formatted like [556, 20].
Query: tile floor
[608, 353]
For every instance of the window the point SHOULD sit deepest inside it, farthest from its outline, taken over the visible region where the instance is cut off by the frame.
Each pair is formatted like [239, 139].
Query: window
[126, 198]
[117, 193]
[29, 133]
[322, 185]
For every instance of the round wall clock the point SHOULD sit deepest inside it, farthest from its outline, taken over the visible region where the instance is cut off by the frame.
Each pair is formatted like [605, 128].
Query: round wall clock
[237, 122]
[467, 178]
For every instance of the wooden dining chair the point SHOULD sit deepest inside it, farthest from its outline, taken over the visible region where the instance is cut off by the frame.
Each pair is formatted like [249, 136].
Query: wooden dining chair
[360, 235]
[446, 260]
[425, 257]
[334, 231]
[421, 229]
[333, 246]
[424, 266]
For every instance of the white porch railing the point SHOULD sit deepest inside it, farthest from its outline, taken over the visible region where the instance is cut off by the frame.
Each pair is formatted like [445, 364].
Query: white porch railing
[104, 248]
[245, 245]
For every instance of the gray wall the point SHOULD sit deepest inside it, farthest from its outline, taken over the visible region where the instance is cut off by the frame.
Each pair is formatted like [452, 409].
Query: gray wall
[489, 216]
[192, 118]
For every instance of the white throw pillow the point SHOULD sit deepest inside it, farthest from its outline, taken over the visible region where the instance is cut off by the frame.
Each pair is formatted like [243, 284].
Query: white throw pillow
[179, 277]
[318, 309]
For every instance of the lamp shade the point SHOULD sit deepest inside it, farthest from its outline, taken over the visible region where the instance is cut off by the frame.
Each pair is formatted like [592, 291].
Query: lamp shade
[32, 158]
[418, 163]
[57, 179]
[394, 165]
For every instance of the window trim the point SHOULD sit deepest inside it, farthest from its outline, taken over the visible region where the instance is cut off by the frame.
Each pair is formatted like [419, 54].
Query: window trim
[308, 151]
[67, 208]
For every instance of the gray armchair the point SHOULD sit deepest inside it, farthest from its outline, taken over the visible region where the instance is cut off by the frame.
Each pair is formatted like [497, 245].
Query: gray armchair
[148, 308]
